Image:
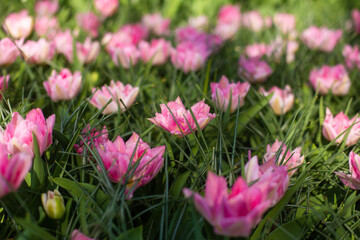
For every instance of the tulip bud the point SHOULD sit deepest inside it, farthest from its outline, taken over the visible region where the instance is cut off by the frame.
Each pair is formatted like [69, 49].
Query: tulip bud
[53, 204]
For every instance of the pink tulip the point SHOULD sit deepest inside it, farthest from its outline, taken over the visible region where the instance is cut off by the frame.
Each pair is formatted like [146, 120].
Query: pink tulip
[8, 52]
[89, 22]
[19, 25]
[18, 134]
[192, 35]
[257, 50]
[39, 52]
[77, 235]
[228, 21]
[46, 26]
[199, 23]
[281, 101]
[130, 33]
[351, 180]
[127, 54]
[106, 7]
[119, 94]
[329, 78]
[323, 39]
[189, 56]
[157, 24]
[253, 21]
[282, 46]
[92, 137]
[291, 49]
[352, 56]
[175, 119]
[292, 160]
[12, 169]
[355, 15]
[4, 81]
[224, 92]
[285, 22]
[46, 7]
[64, 44]
[157, 51]
[236, 212]
[63, 86]
[134, 161]
[253, 69]
[339, 126]
[88, 51]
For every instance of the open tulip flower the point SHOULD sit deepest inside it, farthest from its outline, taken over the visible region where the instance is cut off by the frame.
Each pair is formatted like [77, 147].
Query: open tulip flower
[18, 135]
[8, 52]
[285, 22]
[178, 121]
[224, 92]
[236, 213]
[12, 169]
[157, 24]
[77, 235]
[254, 70]
[119, 93]
[46, 7]
[333, 127]
[38, 52]
[63, 86]
[106, 7]
[329, 78]
[281, 101]
[228, 21]
[323, 39]
[352, 56]
[253, 21]
[118, 156]
[64, 44]
[351, 180]
[19, 25]
[157, 51]
[88, 51]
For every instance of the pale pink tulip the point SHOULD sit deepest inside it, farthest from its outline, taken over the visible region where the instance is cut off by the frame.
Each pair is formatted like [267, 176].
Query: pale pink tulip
[352, 56]
[291, 159]
[4, 81]
[178, 121]
[355, 15]
[126, 54]
[128, 34]
[200, 22]
[46, 7]
[120, 95]
[157, 24]
[157, 51]
[257, 50]
[8, 52]
[63, 86]
[46, 26]
[77, 235]
[234, 213]
[323, 39]
[282, 46]
[329, 78]
[285, 22]
[64, 44]
[19, 25]
[189, 56]
[18, 135]
[228, 21]
[89, 22]
[40, 52]
[253, 69]
[12, 169]
[253, 21]
[351, 180]
[106, 7]
[194, 36]
[281, 101]
[291, 49]
[88, 51]
[224, 92]
[339, 126]
[134, 161]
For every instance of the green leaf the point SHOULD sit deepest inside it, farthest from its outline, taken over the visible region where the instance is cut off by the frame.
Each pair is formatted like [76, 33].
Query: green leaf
[38, 172]
[32, 230]
[73, 187]
[179, 184]
[171, 8]
[132, 234]
[63, 140]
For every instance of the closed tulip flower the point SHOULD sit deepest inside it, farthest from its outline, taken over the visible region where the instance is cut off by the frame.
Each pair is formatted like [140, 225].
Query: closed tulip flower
[351, 180]
[134, 160]
[285, 22]
[281, 101]
[38, 52]
[12, 169]
[352, 56]
[63, 86]
[64, 44]
[254, 70]
[77, 235]
[46, 7]
[253, 21]
[120, 95]
[224, 92]
[355, 15]
[157, 51]
[46, 26]
[323, 39]
[18, 134]
[126, 54]
[19, 25]
[8, 52]
[89, 22]
[334, 79]
[53, 204]
[106, 7]
[178, 121]
[88, 51]
[257, 50]
[339, 126]
[157, 24]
